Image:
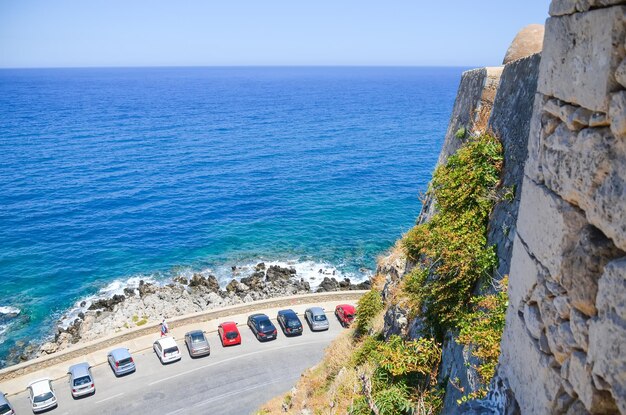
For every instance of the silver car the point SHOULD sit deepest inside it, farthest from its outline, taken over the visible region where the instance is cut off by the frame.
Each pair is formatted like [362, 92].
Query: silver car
[81, 380]
[316, 317]
[121, 361]
[5, 406]
[197, 343]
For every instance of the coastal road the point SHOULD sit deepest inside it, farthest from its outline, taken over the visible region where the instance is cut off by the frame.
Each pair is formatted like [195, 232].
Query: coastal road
[233, 380]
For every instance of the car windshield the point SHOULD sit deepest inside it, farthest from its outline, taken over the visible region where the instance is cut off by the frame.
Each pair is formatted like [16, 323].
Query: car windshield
[293, 323]
[231, 335]
[320, 317]
[82, 381]
[349, 316]
[265, 324]
[4, 408]
[197, 338]
[125, 361]
[170, 350]
[43, 397]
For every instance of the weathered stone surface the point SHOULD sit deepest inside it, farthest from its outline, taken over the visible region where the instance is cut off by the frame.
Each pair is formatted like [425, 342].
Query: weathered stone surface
[560, 340]
[522, 364]
[561, 303]
[563, 7]
[580, 329]
[607, 332]
[588, 169]
[525, 272]
[617, 113]
[538, 122]
[599, 119]
[579, 376]
[580, 56]
[528, 41]
[582, 266]
[510, 121]
[620, 73]
[532, 319]
[548, 225]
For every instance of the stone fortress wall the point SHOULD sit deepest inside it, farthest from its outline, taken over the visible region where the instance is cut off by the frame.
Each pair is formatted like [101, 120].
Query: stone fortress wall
[564, 345]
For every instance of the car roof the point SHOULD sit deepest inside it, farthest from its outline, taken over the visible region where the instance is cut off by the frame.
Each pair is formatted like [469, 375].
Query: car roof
[167, 342]
[347, 307]
[229, 325]
[120, 353]
[316, 310]
[40, 386]
[289, 312]
[3, 399]
[79, 370]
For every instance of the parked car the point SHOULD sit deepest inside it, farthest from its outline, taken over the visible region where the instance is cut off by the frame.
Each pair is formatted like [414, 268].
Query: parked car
[262, 327]
[41, 395]
[289, 322]
[229, 333]
[316, 317]
[81, 380]
[197, 343]
[5, 406]
[345, 314]
[167, 350]
[121, 361]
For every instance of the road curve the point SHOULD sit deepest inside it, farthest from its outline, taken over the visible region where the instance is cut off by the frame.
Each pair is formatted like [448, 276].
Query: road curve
[231, 381]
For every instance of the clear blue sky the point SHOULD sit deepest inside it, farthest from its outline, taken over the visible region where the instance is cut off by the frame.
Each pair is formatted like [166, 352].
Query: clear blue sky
[52, 33]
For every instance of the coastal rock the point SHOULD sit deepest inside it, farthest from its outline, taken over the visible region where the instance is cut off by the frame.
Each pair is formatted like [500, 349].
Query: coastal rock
[107, 304]
[146, 288]
[275, 272]
[328, 284]
[210, 282]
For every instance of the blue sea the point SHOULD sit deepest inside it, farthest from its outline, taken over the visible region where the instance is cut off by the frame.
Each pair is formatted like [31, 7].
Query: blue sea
[108, 176]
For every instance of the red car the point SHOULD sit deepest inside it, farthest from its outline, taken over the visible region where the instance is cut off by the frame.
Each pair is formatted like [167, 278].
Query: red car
[345, 314]
[229, 333]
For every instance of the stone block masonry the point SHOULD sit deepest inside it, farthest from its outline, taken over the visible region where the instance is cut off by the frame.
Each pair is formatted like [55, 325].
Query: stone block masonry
[564, 345]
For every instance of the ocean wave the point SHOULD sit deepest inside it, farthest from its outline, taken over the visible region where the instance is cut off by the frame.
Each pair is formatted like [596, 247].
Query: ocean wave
[9, 311]
[7, 318]
[116, 287]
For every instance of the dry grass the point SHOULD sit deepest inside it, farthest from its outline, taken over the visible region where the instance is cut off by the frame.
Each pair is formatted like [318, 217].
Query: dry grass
[328, 388]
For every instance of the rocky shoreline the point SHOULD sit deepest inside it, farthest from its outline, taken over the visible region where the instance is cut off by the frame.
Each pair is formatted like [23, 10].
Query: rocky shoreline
[150, 302]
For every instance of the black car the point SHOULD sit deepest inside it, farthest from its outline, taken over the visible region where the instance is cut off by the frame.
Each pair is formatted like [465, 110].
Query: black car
[289, 322]
[262, 327]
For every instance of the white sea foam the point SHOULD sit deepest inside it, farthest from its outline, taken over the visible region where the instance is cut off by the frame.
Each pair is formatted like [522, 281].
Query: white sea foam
[7, 318]
[114, 288]
[6, 310]
[311, 271]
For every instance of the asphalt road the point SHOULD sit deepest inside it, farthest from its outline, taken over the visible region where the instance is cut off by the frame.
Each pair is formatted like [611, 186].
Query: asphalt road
[231, 381]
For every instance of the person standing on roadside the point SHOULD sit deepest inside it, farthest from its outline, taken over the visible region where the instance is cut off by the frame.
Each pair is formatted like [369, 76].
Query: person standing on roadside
[164, 328]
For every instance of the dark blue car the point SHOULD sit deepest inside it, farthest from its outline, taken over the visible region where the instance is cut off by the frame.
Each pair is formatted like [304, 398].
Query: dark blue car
[289, 322]
[262, 327]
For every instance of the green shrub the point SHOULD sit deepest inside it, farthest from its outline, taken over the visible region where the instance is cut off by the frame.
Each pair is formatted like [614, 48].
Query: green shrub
[401, 357]
[368, 306]
[452, 247]
[460, 133]
[482, 329]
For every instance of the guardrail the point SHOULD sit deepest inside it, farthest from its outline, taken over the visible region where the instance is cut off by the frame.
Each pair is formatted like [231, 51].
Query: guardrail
[44, 362]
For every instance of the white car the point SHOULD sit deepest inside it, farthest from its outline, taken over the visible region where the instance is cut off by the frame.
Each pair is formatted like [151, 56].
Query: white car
[41, 395]
[167, 350]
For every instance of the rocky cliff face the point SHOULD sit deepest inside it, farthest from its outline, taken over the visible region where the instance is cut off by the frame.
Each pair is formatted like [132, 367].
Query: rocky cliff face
[564, 345]
[497, 100]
